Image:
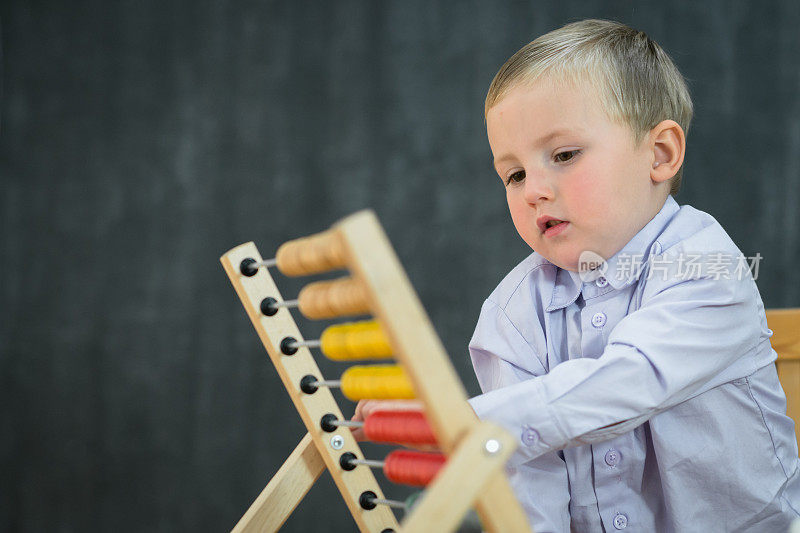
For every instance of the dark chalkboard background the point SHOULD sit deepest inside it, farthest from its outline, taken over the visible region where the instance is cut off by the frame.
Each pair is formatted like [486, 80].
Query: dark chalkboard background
[141, 140]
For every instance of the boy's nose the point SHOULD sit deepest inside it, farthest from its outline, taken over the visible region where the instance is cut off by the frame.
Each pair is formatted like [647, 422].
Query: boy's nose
[537, 189]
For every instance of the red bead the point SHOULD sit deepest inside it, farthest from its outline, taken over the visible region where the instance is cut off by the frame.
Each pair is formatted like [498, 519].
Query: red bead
[402, 427]
[412, 468]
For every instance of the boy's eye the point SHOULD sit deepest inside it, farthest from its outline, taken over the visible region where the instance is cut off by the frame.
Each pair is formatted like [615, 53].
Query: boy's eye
[563, 157]
[516, 177]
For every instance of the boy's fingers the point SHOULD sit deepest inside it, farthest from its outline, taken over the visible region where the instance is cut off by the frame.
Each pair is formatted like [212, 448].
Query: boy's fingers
[358, 434]
[360, 414]
[391, 405]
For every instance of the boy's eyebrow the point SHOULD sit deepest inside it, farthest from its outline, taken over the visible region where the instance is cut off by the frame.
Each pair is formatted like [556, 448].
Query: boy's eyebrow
[542, 140]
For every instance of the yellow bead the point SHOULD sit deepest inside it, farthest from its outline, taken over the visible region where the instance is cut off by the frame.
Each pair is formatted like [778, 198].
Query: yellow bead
[377, 382]
[356, 340]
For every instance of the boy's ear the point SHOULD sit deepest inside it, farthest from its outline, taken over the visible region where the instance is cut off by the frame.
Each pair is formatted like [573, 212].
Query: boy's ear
[669, 147]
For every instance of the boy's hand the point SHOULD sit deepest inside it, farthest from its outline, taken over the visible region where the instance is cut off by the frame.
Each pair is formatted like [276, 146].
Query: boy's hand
[365, 407]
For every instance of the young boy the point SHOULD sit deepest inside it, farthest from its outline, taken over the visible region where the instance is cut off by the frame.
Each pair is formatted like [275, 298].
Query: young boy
[643, 390]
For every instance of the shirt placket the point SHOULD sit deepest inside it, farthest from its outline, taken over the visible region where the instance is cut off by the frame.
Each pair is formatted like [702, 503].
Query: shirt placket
[616, 501]
[609, 458]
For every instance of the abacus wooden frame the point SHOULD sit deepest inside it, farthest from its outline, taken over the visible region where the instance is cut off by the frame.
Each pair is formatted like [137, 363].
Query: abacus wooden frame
[476, 474]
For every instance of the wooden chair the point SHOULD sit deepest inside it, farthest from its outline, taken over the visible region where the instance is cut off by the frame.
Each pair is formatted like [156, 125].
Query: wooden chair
[785, 324]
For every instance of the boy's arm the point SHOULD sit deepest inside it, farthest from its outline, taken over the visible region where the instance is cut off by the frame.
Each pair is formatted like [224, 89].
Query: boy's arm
[688, 337]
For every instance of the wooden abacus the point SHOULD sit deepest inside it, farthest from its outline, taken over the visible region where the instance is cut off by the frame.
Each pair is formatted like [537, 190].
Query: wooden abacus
[475, 451]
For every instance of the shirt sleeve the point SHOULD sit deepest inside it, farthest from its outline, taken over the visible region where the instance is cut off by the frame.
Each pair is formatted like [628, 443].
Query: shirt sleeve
[688, 336]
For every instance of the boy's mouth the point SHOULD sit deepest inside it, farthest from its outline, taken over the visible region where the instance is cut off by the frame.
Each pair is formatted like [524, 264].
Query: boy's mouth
[546, 223]
[555, 227]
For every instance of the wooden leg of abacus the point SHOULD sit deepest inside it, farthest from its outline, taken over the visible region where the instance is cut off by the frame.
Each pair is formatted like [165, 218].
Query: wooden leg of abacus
[285, 490]
[479, 456]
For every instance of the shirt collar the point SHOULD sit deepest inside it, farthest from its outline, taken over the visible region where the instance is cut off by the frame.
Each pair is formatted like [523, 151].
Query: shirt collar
[624, 267]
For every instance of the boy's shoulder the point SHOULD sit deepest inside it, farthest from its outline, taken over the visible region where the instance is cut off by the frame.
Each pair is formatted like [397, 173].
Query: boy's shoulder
[691, 230]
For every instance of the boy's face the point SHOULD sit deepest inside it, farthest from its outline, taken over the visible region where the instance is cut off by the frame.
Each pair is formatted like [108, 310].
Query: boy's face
[560, 156]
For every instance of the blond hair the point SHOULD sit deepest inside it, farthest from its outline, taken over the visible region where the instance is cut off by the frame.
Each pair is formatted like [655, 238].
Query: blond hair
[637, 82]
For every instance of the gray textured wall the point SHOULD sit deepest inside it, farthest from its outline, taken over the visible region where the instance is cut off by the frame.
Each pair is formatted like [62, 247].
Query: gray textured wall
[141, 140]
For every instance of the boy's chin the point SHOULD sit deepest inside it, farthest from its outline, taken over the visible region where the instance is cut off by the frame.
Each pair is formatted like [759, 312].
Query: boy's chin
[567, 263]
[567, 259]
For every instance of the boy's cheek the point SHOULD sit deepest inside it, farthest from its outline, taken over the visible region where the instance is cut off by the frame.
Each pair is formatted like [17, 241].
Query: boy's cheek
[525, 222]
[580, 189]
[587, 203]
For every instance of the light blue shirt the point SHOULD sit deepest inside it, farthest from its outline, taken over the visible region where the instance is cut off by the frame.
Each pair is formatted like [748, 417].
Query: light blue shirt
[645, 400]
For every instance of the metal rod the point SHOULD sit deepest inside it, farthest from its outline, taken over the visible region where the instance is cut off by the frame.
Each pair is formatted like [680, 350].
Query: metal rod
[265, 263]
[390, 503]
[309, 344]
[347, 423]
[328, 383]
[286, 303]
[369, 462]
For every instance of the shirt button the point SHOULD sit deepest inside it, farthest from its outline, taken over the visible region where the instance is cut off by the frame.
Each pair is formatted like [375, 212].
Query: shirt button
[530, 437]
[599, 320]
[620, 521]
[601, 282]
[612, 457]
